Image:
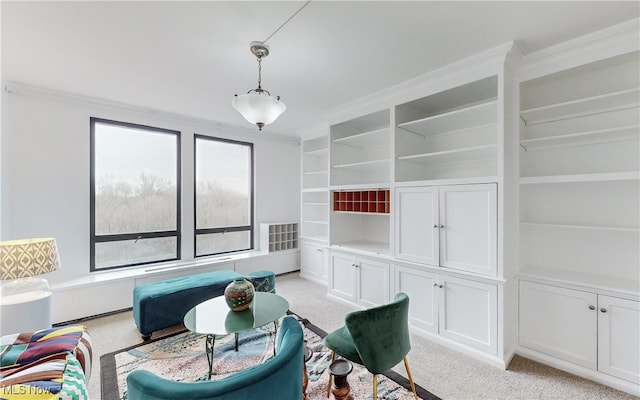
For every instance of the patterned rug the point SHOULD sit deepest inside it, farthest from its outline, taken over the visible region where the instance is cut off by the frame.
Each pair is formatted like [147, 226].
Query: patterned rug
[181, 357]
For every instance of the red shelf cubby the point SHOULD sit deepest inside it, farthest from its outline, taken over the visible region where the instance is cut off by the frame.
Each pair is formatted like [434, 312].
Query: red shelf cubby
[362, 201]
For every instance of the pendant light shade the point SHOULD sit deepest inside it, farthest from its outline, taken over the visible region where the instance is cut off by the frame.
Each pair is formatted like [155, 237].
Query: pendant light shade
[258, 107]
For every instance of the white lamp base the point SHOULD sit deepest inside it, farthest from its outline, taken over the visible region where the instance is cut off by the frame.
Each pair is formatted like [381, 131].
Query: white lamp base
[25, 312]
[25, 305]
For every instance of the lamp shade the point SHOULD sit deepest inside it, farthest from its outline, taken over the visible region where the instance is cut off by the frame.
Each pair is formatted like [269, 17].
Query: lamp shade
[258, 107]
[28, 257]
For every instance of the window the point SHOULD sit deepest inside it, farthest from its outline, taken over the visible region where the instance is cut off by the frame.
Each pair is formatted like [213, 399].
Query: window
[223, 195]
[135, 194]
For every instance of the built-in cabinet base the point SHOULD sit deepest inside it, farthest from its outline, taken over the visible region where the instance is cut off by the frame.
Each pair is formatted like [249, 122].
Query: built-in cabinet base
[575, 369]
[583, 329]
[460, 311]
[359, 280]
[313, 266]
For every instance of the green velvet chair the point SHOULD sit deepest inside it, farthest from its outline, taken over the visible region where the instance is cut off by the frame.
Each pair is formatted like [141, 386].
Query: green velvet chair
[377, 338]
[276, 379]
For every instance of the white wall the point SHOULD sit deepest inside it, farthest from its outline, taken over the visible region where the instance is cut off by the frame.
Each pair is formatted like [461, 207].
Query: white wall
[46, 177]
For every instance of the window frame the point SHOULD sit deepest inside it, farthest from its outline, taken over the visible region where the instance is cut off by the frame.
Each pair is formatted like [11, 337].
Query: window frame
[94, 239]
[203, 231]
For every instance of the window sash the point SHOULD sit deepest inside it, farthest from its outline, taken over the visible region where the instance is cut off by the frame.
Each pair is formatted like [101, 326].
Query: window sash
[96, 239]
[202, 231]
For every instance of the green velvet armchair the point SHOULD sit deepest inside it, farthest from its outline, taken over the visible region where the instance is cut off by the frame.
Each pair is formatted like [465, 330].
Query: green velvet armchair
[377, 338]
[279, 378]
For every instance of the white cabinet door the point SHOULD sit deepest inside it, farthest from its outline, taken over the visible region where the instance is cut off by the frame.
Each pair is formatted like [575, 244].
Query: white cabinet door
[560, 322]
[342, 276]
[416, 225]
[453, 226]
[468, 313]
[312, 262]
[373, 282]
[619, 338]
[421, 287]
[468, 228]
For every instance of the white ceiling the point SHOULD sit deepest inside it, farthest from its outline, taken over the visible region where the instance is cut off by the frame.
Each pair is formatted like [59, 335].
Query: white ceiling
[190, 58]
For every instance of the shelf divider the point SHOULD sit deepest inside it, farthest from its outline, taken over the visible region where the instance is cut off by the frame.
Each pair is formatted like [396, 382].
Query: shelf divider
[598, 177]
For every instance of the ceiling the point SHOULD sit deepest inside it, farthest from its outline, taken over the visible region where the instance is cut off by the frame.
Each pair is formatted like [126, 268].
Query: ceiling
[190, 58]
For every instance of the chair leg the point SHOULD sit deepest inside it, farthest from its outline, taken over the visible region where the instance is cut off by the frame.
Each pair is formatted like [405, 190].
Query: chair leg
[375, 387]
[413, 386]
[333, 357]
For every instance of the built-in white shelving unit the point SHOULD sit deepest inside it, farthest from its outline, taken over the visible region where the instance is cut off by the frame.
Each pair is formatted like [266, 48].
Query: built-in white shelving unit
[315, 165]
[417, 193]
[580, 219]
[586, 106]
[315, 209]
[448, 135]
[314, 235]
[514, 185]
[360, 151]
[315, 191]
[279, 236]
[580, 171]
[360, 167]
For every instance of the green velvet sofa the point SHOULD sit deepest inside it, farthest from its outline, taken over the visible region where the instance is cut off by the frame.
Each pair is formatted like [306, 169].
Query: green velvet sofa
[279, 378]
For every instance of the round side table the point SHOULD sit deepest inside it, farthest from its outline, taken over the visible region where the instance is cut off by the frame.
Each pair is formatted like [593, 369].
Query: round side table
[340, 369]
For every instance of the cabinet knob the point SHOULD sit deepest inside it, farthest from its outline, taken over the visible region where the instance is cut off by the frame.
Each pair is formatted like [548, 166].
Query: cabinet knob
[440, 286]
[435, 285]
[603, 310]
[320, 250]
[592, 307]
[435, 226]
[441, 226]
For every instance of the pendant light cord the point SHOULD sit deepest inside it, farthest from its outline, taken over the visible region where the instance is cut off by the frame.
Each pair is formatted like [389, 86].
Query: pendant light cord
[285, 22]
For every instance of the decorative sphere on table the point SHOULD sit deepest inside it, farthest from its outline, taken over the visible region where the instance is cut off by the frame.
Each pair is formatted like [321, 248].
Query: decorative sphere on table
[239, 294]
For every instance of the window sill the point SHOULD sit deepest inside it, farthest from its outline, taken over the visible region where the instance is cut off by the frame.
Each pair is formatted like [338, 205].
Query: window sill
[98, 278]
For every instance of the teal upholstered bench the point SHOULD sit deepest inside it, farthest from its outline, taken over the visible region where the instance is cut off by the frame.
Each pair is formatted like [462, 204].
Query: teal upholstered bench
[263, 281]
[162, 304]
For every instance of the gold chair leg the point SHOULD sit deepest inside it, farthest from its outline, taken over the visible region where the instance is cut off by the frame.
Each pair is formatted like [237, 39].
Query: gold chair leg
[333, 357]
[375, 387]
[413, 387]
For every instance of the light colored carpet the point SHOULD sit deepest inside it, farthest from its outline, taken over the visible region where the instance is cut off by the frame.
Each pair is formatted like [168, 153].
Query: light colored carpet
[444, 372]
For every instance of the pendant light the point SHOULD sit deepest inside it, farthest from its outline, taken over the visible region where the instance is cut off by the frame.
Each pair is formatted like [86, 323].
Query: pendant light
[258, 106]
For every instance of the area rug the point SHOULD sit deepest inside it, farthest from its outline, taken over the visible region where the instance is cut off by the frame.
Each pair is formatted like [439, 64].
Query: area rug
[181, 357]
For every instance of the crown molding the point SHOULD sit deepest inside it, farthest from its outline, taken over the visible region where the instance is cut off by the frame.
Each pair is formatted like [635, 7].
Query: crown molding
[16, 88]
[466, 70]
[609, 42]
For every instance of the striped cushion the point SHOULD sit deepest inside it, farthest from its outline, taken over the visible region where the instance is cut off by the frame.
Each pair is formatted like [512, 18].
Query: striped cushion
[45, 364]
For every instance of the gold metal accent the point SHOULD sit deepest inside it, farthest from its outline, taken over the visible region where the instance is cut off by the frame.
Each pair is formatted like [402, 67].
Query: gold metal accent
[375, 386]
[413, 386]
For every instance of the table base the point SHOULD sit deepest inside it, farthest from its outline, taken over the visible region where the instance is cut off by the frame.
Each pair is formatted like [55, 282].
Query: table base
[210, 341]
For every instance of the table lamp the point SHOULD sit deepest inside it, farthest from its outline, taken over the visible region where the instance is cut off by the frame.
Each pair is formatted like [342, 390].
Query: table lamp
[25, 299]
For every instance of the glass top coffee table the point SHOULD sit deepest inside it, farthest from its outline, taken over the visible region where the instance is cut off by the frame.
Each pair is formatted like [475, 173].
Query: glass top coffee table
[214, 317]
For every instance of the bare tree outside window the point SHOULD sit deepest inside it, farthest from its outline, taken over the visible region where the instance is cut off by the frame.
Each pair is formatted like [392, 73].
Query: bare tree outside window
[135, 186]
[223, 195]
